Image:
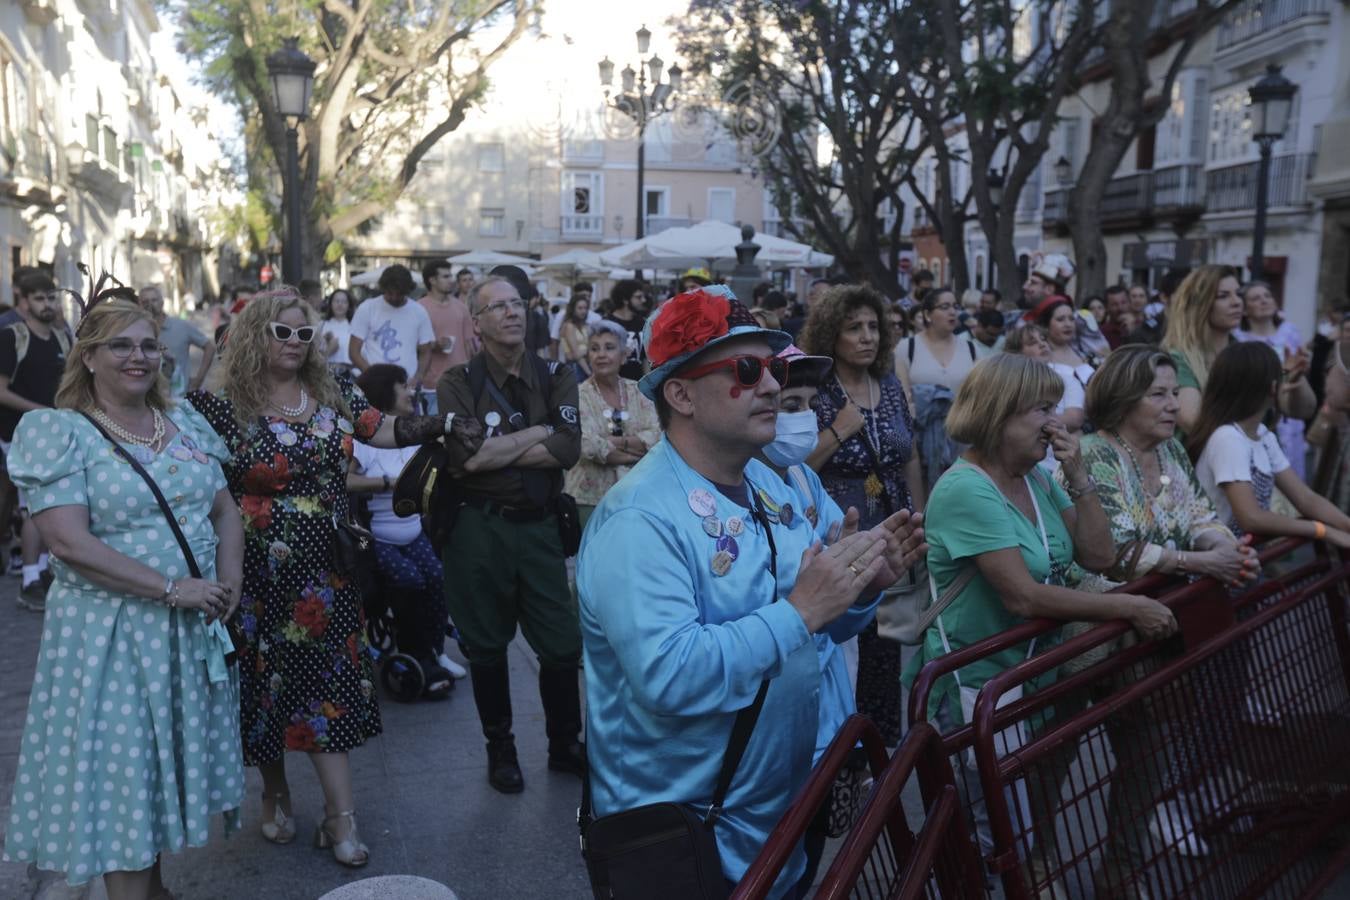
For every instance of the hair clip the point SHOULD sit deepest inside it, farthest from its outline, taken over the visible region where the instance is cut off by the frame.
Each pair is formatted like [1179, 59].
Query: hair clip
[99, 293]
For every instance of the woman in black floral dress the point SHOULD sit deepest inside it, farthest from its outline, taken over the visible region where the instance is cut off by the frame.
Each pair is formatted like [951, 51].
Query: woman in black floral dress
[306, 674]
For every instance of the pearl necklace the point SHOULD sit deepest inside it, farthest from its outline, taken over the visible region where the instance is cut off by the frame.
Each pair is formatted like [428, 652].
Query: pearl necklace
[124, 435]
[292, 412]
[1163, 478]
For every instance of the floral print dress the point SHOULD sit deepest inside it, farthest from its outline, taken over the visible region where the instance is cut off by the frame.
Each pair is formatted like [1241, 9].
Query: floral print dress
[307, 680]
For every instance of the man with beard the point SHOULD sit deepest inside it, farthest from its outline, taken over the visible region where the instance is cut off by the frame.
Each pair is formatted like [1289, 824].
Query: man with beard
[32, 359]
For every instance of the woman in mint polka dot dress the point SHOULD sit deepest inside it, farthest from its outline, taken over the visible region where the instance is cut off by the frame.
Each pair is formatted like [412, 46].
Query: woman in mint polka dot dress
[131, 743]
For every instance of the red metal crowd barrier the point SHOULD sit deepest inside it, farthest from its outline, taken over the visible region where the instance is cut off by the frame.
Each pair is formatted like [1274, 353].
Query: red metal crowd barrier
[1211, 764]
[882, 855]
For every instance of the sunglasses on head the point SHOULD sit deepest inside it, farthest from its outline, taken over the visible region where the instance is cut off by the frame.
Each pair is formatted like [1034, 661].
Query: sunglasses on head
[282, 333]
[749, 371]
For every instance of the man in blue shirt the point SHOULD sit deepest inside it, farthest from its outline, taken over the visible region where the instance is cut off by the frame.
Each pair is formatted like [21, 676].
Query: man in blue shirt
[682, 614]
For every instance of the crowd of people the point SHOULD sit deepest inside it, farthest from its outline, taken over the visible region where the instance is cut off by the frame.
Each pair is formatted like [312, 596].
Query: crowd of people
[763, 477]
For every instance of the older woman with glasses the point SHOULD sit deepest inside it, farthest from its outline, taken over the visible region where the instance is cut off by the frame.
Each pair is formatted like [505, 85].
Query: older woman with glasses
[306, 671]
[618, 424]
[131, 744]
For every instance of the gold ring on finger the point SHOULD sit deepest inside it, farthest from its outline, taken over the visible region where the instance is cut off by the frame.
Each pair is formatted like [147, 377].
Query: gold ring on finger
[854, 569]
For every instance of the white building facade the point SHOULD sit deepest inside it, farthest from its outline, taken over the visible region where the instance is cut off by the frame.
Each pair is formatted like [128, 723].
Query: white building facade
[101, 161]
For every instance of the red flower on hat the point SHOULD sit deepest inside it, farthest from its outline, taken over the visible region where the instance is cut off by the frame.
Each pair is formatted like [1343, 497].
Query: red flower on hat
[687, 323]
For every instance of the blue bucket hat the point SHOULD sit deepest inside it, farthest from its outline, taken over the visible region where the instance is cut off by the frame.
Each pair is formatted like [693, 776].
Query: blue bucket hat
[695, 321]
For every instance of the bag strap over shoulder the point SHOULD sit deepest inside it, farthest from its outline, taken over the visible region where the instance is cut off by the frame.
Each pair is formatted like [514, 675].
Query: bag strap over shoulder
[159, 496]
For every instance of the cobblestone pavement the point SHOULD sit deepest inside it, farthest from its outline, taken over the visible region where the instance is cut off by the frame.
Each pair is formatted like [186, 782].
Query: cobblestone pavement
[422, 801]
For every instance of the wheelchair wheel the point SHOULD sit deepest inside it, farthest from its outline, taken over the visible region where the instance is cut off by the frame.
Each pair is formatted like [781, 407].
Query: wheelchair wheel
[380, 632]
[402, 677]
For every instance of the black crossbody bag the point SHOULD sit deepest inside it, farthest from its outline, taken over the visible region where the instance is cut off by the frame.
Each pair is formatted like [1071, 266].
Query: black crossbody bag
[667, 851]
[236, 638]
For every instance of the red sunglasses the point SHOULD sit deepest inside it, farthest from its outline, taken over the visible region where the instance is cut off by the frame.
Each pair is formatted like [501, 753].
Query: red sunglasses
[749, 371]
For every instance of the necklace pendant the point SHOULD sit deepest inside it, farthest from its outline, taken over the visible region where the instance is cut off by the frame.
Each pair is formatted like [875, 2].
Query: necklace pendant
[872, 486]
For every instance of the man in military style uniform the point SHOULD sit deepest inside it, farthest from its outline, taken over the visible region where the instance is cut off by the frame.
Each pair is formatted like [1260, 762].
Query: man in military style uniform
[504, 560]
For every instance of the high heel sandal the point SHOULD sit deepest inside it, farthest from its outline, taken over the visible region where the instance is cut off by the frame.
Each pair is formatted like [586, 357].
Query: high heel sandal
[349, 851]
[281, 829]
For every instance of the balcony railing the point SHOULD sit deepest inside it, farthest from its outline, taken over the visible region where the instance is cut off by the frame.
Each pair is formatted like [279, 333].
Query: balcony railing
[658, 224]
[1164, 13]
[1179, 187]
[583, 226]
[1127, 196]
[1257, 17]
[1233, 188]
[1173, 190]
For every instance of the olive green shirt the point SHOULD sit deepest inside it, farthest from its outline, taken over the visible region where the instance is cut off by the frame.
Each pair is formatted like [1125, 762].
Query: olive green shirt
[550, 403]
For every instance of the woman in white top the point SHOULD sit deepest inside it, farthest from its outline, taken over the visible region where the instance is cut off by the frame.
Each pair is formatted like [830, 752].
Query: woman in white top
[1240, 463]
[1057, 316]
[410, 571]
[1030, 340]
[337, 329]
[1262, 322]
[936, 355]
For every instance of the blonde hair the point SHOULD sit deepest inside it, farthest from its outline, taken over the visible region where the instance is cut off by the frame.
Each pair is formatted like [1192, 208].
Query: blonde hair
[970, 299]
[101, 324]
[998, 388]
[248, 343]
[1188, 318]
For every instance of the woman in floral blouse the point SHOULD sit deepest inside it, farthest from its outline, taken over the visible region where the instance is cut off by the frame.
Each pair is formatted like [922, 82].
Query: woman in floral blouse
[305, 672]
[1161, 521]
[618, 424]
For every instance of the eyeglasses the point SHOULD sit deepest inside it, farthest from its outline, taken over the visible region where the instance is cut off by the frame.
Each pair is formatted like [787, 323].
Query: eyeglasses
[283, 333]
[616, 418]
[749, 370]
[122, 348]
[944, 307]
[502, 306]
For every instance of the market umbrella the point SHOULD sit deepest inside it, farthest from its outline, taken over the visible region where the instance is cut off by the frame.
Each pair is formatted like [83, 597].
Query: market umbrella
[371, 277]
[574, 264]
[489, 258]
[713, 244]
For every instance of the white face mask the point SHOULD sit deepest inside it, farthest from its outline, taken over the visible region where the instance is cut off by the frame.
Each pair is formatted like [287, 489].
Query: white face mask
[795, 440]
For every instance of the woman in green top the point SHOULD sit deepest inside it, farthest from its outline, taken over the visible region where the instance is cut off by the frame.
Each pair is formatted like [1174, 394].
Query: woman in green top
[994, 511]
[1204, 313]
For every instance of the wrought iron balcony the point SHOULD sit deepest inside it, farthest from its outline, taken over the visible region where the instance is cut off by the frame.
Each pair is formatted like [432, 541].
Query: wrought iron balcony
[1260, 17]
[1170, 192]
[1233, 188]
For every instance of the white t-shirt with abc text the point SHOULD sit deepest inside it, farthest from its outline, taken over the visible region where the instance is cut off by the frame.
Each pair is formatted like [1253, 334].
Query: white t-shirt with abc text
[392, 334]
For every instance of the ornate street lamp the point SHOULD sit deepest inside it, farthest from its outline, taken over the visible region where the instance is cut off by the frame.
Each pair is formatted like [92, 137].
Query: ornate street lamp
[292, 74]
[642, 107]
[1272, 101]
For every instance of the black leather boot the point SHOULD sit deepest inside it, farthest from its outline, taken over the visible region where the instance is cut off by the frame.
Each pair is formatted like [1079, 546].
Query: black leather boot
[492, 695]
[561, 696]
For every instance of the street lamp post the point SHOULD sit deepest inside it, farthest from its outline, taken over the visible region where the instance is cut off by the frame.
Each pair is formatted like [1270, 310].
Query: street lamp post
[641, 107]
[292, 74]
[1272, 100]
[995, 198]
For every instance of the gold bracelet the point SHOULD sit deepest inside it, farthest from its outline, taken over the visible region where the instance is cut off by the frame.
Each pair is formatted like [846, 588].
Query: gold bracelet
[1319, 530]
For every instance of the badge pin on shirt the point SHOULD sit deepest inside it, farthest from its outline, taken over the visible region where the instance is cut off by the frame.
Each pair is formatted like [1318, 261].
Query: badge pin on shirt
[492, 420]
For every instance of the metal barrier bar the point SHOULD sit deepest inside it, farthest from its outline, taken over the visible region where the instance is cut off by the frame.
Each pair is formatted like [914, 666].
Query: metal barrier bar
[882, 856]
[1191, 602]
[1213, 690]
[787, 834]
